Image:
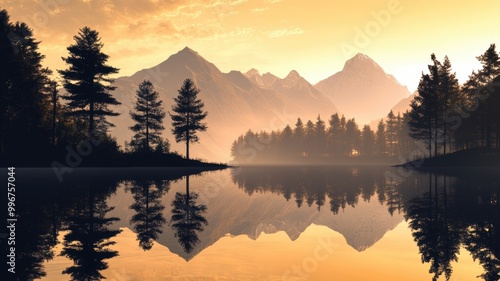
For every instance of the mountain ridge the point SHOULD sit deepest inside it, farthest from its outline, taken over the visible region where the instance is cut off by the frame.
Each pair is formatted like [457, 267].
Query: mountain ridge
[234, 103]
[237, 102]
[362, 89]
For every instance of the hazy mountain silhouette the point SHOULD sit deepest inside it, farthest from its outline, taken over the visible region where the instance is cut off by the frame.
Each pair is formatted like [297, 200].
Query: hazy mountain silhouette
[233, 102]
[362, 89]
[401, 107]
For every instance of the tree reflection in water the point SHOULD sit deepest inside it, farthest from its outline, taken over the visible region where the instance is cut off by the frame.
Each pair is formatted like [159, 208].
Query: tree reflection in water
[148, 219]
[187, 218]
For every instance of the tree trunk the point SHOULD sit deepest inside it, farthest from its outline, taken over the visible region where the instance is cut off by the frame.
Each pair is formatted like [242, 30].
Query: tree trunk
[91, 125]
[54, 113]
[2, 127]
[187, 137]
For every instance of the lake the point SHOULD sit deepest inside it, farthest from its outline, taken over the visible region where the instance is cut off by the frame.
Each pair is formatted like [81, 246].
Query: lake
[258, 223]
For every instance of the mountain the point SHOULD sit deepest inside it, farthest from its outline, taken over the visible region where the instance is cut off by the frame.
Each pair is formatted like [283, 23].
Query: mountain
[231, 211]
[234, 102]
[401, 107]
[362, 89]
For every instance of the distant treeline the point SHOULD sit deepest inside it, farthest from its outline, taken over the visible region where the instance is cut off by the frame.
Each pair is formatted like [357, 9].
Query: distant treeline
[317, 142]
[444, 117]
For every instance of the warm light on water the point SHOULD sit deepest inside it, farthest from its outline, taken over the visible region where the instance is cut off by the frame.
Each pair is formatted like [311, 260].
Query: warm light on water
[378, 246]
[276, 257]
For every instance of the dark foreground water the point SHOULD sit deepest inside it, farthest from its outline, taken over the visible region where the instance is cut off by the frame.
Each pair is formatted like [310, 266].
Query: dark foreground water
[268, 223]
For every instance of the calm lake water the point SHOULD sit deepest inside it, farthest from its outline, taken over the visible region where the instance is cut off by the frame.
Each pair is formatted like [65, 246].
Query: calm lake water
[258, 223]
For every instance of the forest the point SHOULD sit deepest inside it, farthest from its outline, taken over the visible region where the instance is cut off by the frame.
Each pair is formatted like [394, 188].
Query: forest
[444, 118]
[41, 127]
[316, 142]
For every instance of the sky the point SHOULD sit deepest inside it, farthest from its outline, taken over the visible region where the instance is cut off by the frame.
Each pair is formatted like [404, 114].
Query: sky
[313, 37]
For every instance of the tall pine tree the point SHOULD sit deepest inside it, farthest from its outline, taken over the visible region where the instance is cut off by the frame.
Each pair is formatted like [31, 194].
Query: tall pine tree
[189, 115]
[148, 116]
[86, 78]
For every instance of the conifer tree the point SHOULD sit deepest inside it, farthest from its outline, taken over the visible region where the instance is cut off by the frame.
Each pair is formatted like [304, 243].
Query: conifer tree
[86, 79]
[148, 116]
[189, 115]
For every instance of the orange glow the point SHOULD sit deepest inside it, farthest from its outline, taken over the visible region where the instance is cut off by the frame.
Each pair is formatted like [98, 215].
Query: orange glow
[394, 257]
[271, 35]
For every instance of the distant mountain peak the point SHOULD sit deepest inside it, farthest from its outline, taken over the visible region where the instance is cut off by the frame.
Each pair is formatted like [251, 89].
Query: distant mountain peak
[361, 61]
[187, 49]
[293, 75]
[252, 72]
[363, 89]
[188, 52]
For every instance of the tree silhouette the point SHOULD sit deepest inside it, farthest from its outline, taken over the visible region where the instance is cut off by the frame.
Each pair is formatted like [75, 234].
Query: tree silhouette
[148, 116]
[24, 85]
[335, 132]
[298, 137]
[88, 238]
[437, 237]
[187, 218]
[189, 115]
[148, 219]
[368, 145]
[391, 134]
[422, 117]
[86, 78]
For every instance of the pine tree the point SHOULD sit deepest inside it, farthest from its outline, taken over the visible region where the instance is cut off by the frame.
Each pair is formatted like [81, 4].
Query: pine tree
[367, 146]
[298, 137]
[380, 138]
[286, 143]
[423, 122]
[86, 78]
[320, 140]
[449, 88]
[488, 109]
[148, 116]
[309, 138]
[391, 134]
[188, 120]
[334, 135]
[352, 135]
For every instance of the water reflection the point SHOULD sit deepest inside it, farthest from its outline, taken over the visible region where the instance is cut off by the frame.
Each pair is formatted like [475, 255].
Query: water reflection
[343, 186]
[445, 213]
[148, 219]
[458, 211]
[187, 218]
[434, 228]
[88, 235]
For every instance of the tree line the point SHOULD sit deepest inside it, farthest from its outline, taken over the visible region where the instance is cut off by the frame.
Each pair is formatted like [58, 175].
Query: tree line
[444, 117]
[314, 141]
[37, 124]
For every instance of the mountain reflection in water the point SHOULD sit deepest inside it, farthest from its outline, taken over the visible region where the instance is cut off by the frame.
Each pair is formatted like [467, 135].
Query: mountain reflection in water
[61, 225]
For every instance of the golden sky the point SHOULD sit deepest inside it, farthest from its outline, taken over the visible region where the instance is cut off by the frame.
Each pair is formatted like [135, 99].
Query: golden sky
[314, 37]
